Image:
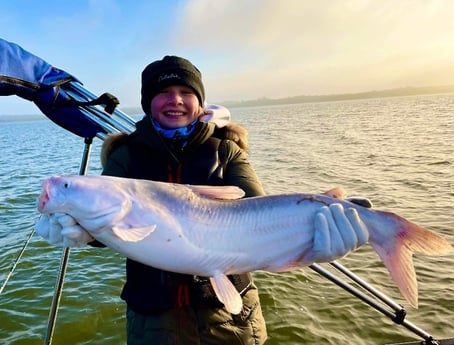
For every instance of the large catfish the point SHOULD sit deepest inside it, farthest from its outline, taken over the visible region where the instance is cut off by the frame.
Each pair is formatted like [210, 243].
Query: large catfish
[209, 231]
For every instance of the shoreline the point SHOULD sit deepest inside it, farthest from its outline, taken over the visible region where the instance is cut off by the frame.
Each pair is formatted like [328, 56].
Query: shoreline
[398, 92]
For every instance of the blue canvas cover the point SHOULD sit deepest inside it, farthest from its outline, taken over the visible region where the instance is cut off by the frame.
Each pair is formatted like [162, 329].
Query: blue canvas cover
[28, 76]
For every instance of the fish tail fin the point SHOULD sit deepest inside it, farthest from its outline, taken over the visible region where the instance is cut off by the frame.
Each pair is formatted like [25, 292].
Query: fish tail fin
[397, 252]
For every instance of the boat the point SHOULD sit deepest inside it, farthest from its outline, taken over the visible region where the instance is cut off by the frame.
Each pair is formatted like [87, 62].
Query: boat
[62, 98]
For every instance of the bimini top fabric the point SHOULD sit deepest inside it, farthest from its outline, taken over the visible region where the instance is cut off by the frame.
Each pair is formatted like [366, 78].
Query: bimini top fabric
[30, 77]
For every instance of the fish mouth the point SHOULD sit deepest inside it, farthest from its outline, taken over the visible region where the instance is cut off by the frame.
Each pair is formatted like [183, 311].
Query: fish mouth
[43, 197]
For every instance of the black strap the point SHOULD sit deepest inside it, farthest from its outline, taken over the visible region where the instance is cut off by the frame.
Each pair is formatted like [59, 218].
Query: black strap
[108, 100]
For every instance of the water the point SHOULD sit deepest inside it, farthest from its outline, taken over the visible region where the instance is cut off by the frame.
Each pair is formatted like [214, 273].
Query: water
[399, 152]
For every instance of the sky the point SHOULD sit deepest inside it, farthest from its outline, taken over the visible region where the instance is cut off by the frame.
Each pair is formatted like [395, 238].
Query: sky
[245, 49]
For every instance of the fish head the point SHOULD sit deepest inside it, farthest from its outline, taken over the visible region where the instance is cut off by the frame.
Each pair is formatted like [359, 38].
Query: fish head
[79, 196]
[51, 196]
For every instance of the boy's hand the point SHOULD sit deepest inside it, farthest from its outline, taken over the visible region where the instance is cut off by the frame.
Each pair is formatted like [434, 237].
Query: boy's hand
[337, 232]
[62, 230]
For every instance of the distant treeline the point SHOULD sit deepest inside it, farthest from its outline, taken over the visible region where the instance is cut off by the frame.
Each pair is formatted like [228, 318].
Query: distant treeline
[405, 91]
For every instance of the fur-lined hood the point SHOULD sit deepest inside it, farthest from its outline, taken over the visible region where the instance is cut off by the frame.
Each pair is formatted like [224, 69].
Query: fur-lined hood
[232, 131]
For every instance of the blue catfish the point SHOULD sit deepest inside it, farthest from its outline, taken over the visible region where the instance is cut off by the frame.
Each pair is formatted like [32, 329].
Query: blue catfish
[210, 231]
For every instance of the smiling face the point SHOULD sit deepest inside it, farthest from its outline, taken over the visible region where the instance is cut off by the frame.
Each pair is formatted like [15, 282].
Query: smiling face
[175, 107]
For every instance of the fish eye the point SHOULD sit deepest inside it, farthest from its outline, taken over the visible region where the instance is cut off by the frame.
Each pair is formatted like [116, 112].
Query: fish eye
[66, 185]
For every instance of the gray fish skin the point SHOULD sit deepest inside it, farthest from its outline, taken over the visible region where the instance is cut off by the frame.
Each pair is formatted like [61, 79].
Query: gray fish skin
[209, 231]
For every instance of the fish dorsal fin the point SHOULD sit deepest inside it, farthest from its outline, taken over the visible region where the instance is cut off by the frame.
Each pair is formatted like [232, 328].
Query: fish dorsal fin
[218, 192]
[133, 234]
[227, 293]
[337, 193]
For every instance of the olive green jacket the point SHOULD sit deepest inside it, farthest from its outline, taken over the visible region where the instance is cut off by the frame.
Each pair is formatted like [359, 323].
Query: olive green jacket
[209, 156]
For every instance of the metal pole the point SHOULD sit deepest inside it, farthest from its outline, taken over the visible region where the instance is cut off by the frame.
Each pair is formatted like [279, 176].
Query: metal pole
[79, 93]
[397, 317]
[385, 299]
[64, 260]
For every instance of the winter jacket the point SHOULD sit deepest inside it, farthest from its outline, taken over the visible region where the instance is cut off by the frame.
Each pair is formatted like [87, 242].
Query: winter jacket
[209, 156]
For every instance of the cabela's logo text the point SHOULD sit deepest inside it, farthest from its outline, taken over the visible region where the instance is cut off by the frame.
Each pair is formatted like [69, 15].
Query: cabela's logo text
[168, 76]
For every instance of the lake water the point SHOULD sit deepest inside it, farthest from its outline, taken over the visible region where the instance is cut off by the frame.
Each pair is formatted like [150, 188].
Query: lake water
[399, 152]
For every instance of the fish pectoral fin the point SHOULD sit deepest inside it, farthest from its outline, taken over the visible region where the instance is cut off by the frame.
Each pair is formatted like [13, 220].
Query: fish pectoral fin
[227, 293]
[133, 234]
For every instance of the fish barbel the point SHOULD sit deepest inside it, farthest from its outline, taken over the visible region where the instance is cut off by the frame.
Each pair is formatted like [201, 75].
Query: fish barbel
[210, 231]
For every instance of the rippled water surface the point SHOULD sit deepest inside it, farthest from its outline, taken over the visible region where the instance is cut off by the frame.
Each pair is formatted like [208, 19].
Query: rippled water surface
[399, 152]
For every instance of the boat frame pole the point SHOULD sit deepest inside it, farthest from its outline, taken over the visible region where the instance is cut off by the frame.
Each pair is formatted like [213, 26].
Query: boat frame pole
[64, 259]
[398, 316]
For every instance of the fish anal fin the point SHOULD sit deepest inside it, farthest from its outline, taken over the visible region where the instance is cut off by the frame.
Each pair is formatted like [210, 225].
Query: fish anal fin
[227, 293]
[133, 234]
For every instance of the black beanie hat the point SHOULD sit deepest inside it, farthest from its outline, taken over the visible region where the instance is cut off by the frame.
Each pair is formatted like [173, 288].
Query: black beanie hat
[171, 70]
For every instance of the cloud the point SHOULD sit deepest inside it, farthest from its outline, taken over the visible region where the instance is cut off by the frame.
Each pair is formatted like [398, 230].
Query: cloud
[245, 49]
[276, 49]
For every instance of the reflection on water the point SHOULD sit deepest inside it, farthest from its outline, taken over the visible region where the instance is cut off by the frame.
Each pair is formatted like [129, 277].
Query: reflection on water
[396, 151]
